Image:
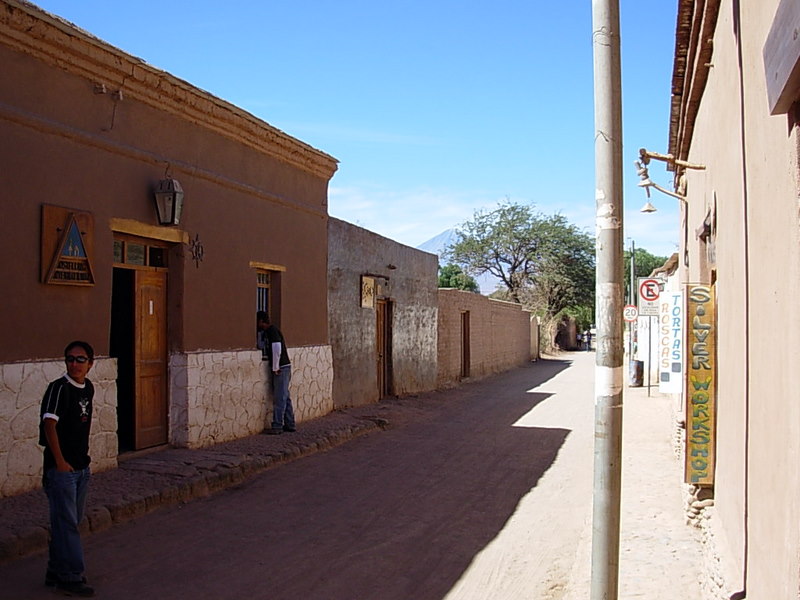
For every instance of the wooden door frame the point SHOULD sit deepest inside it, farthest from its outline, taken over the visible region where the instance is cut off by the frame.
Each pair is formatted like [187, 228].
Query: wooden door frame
[147, 431]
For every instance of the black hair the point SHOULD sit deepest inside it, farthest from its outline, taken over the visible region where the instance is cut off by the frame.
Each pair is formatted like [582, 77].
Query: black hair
[86, 346]
[262, 316]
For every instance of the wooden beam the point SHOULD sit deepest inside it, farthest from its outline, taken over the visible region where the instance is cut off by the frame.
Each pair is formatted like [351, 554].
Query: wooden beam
[137, 228]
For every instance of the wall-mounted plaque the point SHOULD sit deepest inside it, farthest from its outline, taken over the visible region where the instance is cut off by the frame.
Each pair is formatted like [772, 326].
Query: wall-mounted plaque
[367, 292]
[67, 246]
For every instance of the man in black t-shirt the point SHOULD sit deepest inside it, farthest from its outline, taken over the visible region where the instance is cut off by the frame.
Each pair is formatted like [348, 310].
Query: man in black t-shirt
[66, 420]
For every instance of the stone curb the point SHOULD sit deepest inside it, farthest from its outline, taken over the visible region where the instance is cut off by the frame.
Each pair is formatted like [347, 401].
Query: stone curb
[219, 473]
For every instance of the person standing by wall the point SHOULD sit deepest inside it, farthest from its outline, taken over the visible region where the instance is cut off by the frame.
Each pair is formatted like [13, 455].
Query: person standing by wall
[273, 348]
[66, 420]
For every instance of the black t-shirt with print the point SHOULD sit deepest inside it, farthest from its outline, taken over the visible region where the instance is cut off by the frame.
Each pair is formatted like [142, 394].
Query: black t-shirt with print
[73, 407]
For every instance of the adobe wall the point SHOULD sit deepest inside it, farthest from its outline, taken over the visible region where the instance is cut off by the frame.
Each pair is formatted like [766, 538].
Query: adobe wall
[750, 189]
[407, 278]
[88, 127]
[500, 336]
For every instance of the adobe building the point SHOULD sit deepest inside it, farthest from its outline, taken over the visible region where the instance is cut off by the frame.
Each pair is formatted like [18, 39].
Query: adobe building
[480, 337]
[383, 314]
[393, 332]
[89, 134]
[735, 119]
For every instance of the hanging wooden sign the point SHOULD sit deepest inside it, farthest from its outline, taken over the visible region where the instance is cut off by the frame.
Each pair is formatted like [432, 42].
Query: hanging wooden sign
[701, 384]
[67, 246]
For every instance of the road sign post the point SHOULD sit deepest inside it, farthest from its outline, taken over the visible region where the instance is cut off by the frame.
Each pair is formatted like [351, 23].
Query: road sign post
[649, 292]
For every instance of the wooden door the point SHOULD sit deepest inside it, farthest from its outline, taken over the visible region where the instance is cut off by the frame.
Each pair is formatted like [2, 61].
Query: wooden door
[150, 359]
[465, 349]
[383, 345]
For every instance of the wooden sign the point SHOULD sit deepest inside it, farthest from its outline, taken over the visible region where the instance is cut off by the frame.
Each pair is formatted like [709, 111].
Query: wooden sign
[367, 292]
[701, 380]
[67, 246]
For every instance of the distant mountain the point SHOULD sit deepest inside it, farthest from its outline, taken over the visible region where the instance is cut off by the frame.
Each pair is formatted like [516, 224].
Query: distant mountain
[437, 244]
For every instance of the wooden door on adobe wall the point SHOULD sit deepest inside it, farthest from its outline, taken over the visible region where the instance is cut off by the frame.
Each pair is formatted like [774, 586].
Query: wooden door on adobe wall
[150, 359]
[383, 346]
[465, 347]
[139, 340]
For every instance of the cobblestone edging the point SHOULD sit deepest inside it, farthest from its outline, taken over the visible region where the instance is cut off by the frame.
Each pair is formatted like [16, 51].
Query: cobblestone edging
[698, 502]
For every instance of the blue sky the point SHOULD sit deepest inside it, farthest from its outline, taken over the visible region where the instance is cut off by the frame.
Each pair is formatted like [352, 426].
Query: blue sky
[434, 108]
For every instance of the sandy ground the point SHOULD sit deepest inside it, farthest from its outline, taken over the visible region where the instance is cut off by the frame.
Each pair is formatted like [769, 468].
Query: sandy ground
[474, 493]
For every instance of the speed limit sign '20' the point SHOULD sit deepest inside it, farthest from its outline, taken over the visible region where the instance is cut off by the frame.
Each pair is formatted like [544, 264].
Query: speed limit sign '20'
[630, 312]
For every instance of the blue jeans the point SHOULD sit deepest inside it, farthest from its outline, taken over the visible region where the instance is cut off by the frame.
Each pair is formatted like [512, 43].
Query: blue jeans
[66, 494]
[282, 411]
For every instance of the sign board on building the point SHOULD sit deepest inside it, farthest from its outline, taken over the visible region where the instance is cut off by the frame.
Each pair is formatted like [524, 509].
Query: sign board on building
[367, 292]
[700, 392]
[670, 335]
[67, 246]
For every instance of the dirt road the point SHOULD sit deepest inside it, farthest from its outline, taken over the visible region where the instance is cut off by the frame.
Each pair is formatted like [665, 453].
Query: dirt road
[483, 492]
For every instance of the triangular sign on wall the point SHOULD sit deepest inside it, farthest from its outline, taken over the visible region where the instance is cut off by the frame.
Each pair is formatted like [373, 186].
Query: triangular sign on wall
[70, 263]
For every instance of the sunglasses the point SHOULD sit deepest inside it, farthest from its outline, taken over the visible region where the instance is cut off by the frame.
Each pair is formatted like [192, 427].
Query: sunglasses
[77, 359]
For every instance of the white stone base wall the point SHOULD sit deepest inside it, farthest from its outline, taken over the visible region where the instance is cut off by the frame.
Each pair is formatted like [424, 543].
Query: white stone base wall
[215, 397]
[311, 389]
[222, 396]
[22, 386]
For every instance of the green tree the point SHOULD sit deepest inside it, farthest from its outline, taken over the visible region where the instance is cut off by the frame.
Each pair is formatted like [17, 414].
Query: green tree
[544, 258]
[582, 315]
[543, 262]
[646, 263]
[452, 276]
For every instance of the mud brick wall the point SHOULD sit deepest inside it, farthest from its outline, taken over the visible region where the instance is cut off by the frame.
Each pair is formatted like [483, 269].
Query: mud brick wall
[499, 336]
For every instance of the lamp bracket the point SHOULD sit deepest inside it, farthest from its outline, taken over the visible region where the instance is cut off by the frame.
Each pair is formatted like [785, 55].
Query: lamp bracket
[645, 156]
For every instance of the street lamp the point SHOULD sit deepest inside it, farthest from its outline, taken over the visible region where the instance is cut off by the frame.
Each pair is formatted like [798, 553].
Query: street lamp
[169, 201]
[641, 170]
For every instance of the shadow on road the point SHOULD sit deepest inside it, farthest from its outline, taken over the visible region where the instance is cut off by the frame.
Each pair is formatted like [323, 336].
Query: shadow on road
[395, 515]
[392, 516]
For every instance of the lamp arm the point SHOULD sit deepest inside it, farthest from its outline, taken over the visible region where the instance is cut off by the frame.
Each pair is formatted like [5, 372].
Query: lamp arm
[668, 193]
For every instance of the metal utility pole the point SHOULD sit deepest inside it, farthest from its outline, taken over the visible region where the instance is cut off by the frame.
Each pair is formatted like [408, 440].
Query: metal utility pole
[633, 294]
[633, 272]
[609, 297]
